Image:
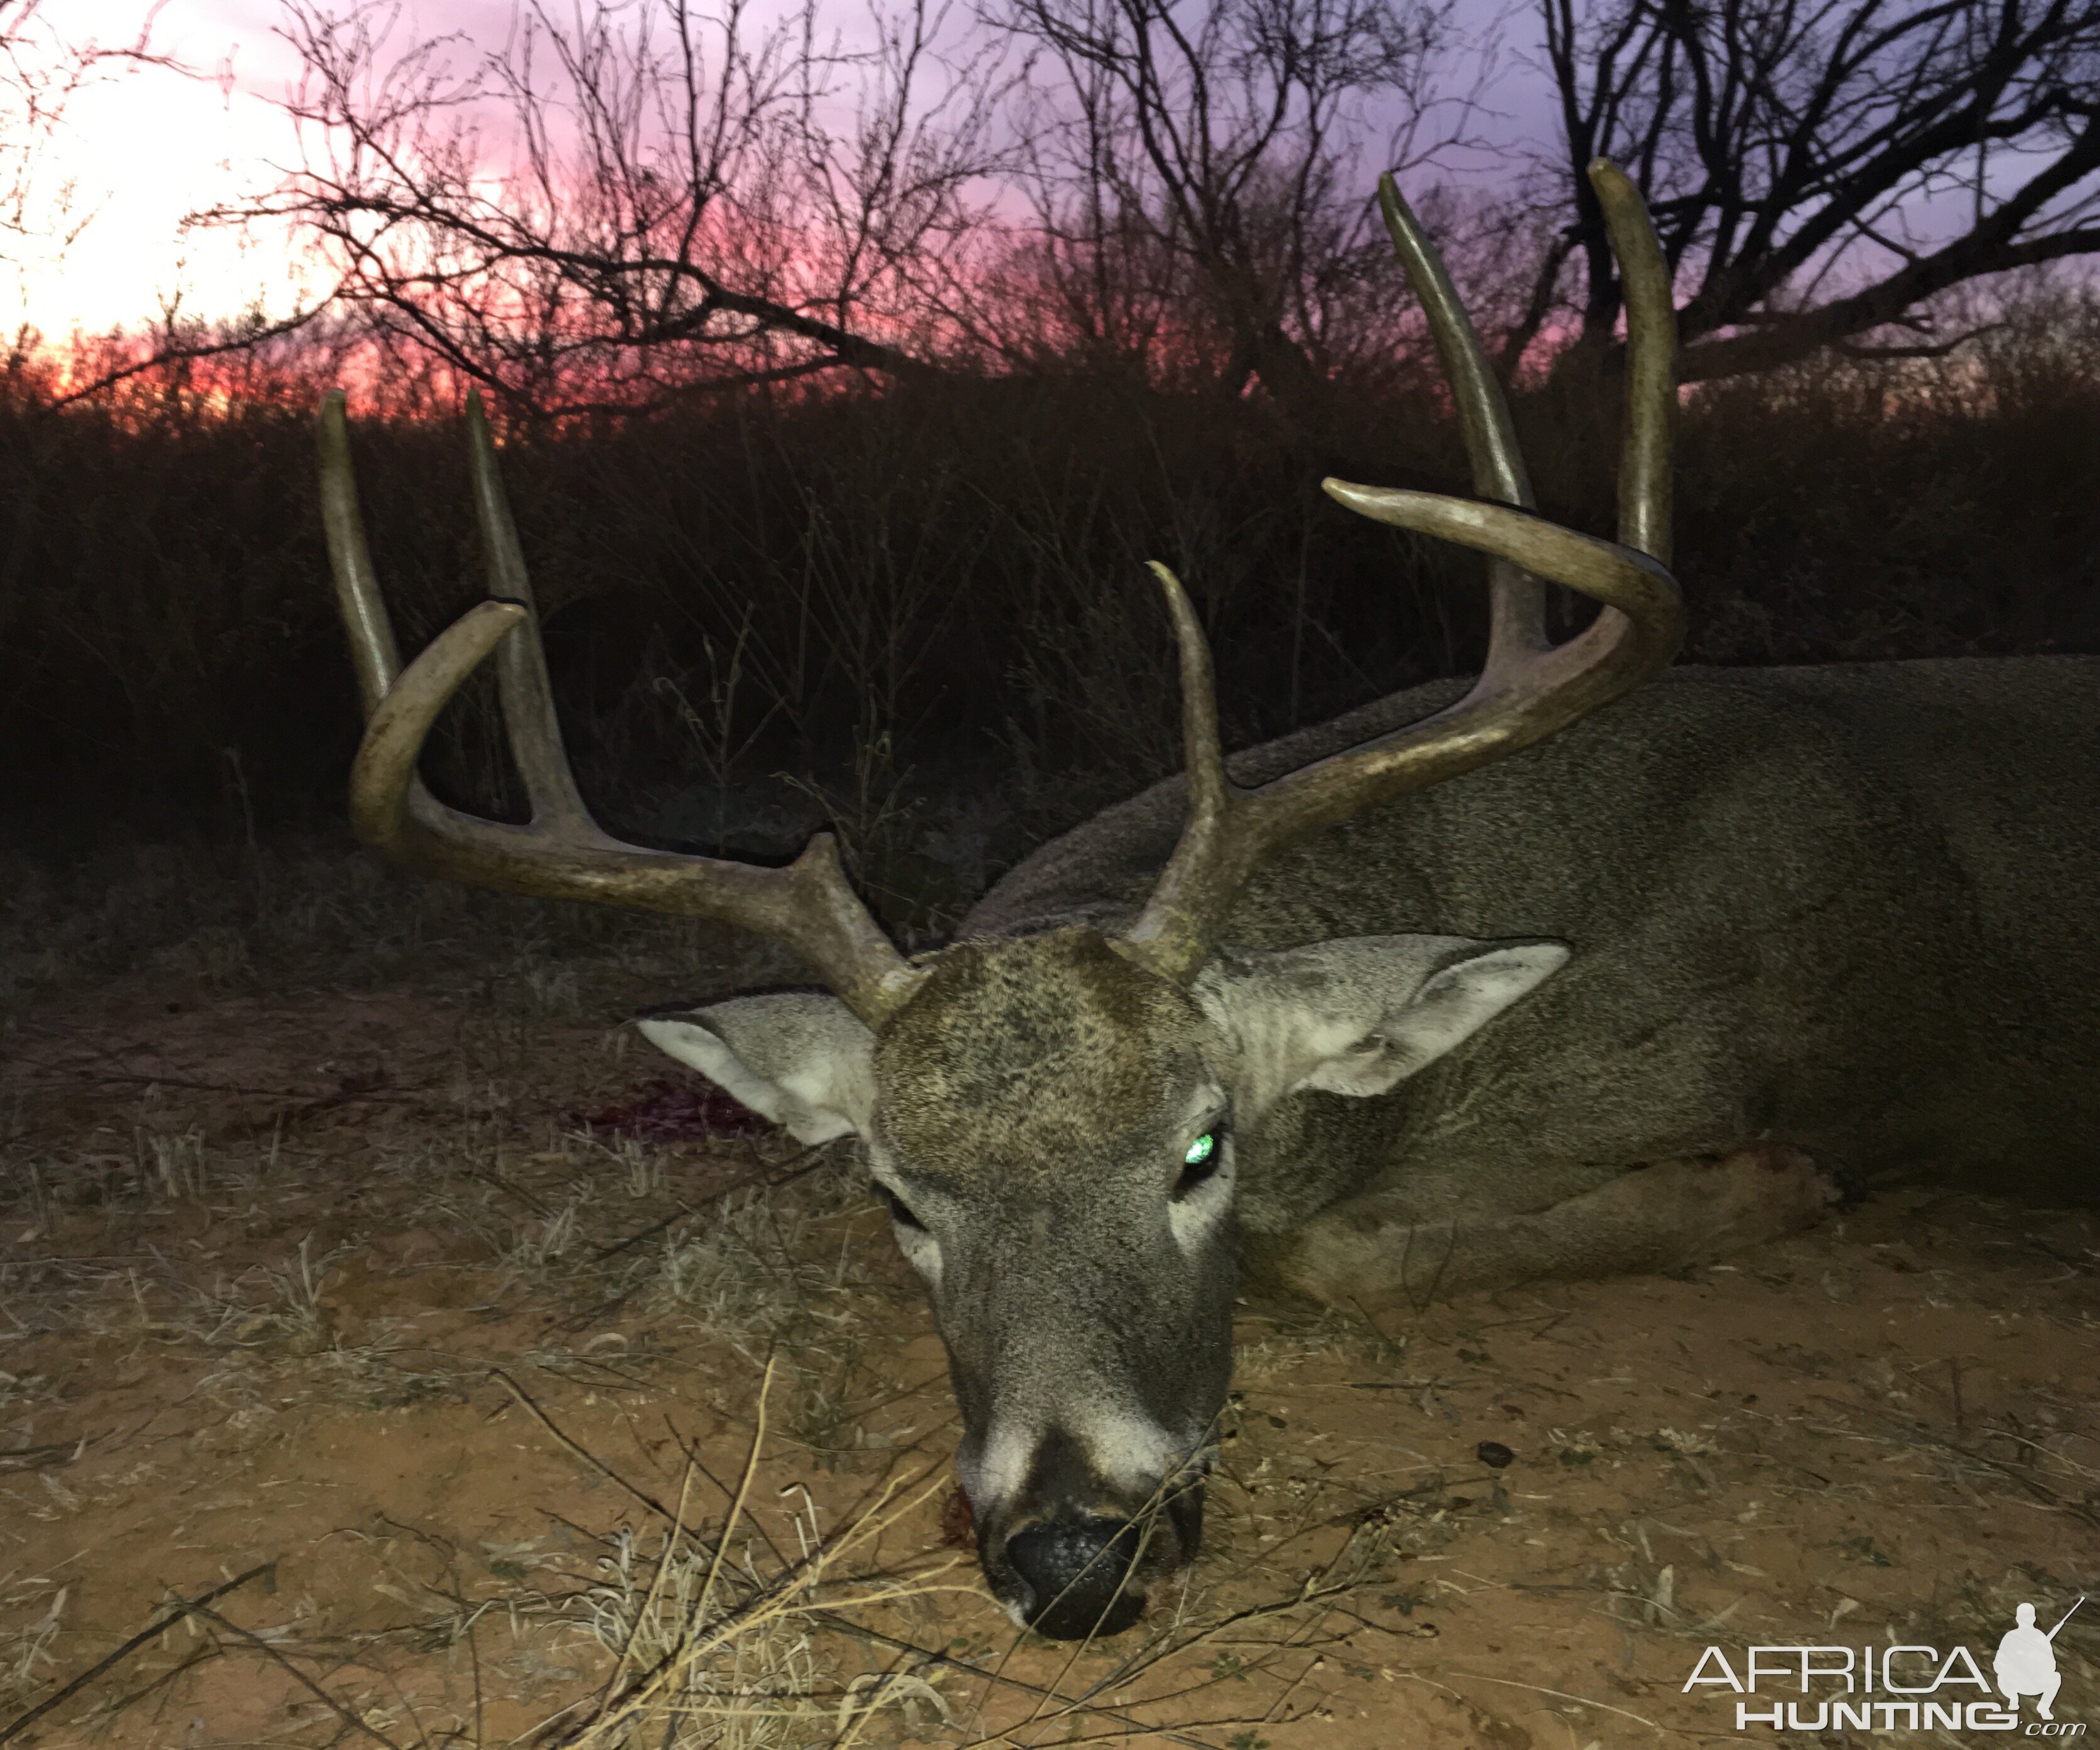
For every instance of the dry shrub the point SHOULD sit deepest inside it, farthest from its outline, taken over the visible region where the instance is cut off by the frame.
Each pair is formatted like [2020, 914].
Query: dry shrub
[904, 597]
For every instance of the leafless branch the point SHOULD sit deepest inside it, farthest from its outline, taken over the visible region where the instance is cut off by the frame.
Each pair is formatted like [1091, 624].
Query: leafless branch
[1195, 177]
[627, 201]
[1819, 167]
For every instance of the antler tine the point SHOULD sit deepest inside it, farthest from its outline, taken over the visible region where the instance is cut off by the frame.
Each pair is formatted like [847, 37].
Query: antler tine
[809, 905]
[1516, 622]
[533, 731]
[1650, 385]
[1210, 791]
[372, 651]
[1514, 703]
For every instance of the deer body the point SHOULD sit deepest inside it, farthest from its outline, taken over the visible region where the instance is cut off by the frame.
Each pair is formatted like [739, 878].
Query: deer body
[1759, 871]
[1556, 974]
[1596, 1006]
[1848, 909]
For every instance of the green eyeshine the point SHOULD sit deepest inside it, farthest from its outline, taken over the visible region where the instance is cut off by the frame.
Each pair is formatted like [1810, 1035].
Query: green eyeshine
[1200, 1150]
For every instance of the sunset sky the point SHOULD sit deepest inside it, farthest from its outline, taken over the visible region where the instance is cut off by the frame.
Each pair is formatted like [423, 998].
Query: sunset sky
[146, 147]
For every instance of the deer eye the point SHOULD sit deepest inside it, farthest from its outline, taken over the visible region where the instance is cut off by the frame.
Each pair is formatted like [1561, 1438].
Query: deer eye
[900, 1211]
[1200, 1161]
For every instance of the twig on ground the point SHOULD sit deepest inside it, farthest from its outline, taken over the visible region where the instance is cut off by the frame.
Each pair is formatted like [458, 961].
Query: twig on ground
[580, 1450]
[43, 1457]
[1557, 1694]
[183, 1607]
[929, 1656]
[649, 1232]
[296, 1674]
[771, 1179]
[211, 1649]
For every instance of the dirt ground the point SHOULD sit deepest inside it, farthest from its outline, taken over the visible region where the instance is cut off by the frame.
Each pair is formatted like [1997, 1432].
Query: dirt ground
[386, 1366]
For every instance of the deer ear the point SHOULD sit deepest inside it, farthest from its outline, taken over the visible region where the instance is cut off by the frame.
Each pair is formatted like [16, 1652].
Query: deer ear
[802, 1059]
[1358, 1015]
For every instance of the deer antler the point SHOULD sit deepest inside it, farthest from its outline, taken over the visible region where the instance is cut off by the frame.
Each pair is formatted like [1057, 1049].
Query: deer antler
[1527, 689]
[561, 854]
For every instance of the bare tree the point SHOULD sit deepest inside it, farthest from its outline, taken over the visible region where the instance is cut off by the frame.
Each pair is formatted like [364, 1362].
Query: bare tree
[640, 201]
[1193, 168]
[1819, 168]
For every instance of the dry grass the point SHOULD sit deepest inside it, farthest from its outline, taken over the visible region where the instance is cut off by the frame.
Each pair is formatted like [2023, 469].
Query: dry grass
[196, 1230]
[320, 1201]
[715, 1650]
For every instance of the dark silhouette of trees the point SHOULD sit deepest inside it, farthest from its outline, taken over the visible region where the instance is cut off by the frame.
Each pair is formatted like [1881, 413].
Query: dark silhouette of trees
[633, 203]
[42, 213]
[1819, 170]
[1197, 178]
[630, 205]
[41, 70]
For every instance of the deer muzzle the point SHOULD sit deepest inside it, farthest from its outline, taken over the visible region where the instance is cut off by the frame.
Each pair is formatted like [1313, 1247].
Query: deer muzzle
[1074, 1563]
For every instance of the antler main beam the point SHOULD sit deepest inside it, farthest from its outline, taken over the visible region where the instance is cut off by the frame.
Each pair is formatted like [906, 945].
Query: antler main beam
[1527, 689]
[561, 854]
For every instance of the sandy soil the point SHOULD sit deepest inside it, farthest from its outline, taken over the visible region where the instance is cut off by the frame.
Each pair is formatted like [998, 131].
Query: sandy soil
[335, 1313]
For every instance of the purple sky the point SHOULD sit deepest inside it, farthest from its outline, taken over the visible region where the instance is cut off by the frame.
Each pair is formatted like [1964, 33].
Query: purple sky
[146, 147]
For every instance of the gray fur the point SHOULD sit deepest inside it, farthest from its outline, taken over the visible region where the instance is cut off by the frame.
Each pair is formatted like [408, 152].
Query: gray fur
[802, 1060]
[1853, 908]
[1840, 917]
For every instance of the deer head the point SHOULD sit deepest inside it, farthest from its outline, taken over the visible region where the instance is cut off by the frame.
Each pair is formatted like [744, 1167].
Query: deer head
[1051, 1118]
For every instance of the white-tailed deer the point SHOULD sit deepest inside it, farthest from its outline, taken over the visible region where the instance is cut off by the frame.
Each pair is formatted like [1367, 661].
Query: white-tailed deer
[1592, 1002]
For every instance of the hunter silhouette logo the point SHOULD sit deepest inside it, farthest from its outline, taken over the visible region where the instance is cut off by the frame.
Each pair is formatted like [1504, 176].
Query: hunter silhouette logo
[2026, 1665]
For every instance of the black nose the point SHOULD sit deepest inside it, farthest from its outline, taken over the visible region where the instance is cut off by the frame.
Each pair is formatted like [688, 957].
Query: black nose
[1076, 1568]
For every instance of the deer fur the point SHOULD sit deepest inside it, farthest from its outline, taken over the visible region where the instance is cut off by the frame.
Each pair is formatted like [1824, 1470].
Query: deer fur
[1625, 1000]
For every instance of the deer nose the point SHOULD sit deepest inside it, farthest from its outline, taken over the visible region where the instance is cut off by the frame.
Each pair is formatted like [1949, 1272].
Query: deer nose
[1076, 1568]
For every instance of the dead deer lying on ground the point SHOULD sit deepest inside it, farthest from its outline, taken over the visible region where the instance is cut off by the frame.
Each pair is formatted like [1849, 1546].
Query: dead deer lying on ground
[1741, 920]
